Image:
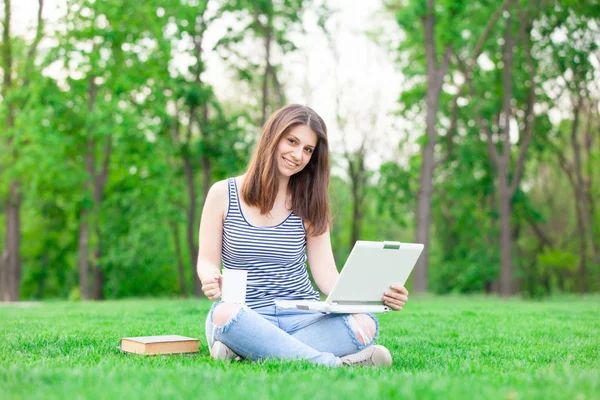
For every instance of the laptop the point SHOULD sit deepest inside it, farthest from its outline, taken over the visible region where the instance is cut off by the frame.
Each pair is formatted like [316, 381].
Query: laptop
[369, 271]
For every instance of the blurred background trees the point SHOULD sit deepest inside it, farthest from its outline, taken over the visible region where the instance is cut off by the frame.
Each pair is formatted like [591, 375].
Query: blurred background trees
[113, 131]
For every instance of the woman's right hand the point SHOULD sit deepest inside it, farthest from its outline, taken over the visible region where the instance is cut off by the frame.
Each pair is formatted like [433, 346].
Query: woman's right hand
[212, 287]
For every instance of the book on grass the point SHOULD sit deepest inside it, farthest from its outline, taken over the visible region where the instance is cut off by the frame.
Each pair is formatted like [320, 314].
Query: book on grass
[167, 344]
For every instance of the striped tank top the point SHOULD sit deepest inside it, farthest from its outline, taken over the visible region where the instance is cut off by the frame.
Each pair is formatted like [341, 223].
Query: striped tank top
[275, 256]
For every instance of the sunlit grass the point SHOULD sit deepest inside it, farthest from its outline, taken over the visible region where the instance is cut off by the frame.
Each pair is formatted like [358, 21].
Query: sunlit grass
[444, 347]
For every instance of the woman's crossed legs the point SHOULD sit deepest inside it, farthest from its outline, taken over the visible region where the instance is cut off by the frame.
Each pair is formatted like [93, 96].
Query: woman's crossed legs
[272, 332]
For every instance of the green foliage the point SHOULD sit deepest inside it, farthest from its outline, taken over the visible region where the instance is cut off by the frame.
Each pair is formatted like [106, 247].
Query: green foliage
[121, 85]
[556, 261]
[465, 219]
[397, 191]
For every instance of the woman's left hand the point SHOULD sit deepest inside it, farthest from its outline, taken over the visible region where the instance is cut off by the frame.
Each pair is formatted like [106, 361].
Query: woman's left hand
[396, 297]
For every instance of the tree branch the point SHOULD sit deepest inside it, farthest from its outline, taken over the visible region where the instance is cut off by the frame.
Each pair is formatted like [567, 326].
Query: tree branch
[490, 142]
[507, 87]
[188, 134]
[176, 131]
[277, 85]
[430, 48]
[443, 70]
[32, 50]
[574, 129]
[7, 67]
[486, 131]
[565, 166]
[529, 114]
[486, 32]
[538, 231]
[450, 134]
[103, 175]
[467, 70]
[38, 32]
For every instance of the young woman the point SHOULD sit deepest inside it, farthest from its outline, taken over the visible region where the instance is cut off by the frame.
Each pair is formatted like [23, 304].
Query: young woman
[268, 222]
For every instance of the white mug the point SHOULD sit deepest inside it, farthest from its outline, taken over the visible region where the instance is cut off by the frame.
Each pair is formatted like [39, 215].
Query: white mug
[233, 285]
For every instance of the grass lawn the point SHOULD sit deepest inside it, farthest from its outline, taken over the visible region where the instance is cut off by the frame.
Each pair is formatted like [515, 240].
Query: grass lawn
[443, 347]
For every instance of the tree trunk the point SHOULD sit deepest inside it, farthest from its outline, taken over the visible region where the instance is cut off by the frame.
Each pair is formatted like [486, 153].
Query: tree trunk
[356, 170]
[502, 160]
[356, 215]
[188, 169]
[421, 278]
[84, 230]
[581, 195]
[505, 237]
[491, 238]
[426, 175]
[97, 279]
[10, 273]
[514, 237]
[582, 246]
[97, 274]
[84, 267]
[179, 257]
[435, 78]
[503, 166]
[567, 168]
[4, 275]
[583, 223]
[10, 267]
[206, 163]
[13, 244]
[589, 218]
[7, 56]
[94, 186]
[204, 159]
[277, 87]
[191, 221]
[588, 189]
[574, 173]
[99, 185]
[420, 284]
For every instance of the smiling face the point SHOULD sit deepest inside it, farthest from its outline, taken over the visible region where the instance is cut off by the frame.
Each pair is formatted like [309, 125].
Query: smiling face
[295, 149]
[291, 138]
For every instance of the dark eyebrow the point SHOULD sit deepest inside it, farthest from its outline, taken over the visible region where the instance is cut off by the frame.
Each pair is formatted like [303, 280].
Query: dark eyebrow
[299, 141]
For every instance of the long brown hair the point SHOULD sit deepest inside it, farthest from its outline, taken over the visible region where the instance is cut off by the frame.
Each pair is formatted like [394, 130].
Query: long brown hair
[308, 188]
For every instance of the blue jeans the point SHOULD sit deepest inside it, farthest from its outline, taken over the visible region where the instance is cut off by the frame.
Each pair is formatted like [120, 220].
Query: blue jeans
[274, 332]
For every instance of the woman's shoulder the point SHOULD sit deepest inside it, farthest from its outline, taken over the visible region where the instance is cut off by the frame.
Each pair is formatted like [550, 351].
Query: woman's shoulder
[220, 188]
[217, 198]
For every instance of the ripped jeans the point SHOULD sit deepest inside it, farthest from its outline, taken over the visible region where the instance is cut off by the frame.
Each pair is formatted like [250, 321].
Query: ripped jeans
[274, 332]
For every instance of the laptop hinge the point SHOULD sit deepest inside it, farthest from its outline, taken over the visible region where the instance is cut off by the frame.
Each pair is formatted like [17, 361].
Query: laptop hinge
[357, 303]
[391, 245]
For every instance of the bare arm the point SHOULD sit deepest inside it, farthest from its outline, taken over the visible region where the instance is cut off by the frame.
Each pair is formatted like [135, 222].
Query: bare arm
[321, 261]
[210, 240]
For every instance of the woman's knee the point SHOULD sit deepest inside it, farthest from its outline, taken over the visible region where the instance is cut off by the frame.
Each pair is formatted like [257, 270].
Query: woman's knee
[364, 328]
[223, 313]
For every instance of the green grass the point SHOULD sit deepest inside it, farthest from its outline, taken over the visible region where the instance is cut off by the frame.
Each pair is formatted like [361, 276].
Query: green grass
[444, 347]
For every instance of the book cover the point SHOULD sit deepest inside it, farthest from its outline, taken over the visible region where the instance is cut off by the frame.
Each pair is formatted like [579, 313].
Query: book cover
[165, 344]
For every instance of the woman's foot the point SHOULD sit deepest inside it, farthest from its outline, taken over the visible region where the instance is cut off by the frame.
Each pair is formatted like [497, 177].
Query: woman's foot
[220, 351]
[375, 356]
